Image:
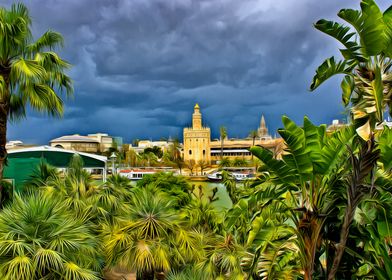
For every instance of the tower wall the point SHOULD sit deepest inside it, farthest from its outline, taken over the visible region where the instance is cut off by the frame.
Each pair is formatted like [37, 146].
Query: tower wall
[197, 140]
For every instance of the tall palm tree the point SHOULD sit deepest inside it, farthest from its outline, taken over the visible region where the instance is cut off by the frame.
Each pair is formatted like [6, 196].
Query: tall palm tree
[223, 135]
[30, 71]
[40, 238]
[253, 134]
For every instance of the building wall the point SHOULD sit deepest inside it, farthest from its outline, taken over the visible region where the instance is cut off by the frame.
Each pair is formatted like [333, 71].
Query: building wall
[105, 141]
[77, 146]
[197, 144]
[239, 148]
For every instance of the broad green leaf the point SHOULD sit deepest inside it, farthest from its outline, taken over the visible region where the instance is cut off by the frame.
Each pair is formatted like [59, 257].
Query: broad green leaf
[328, 69]
[372, 34]
[314, 139]
[347, 86]
[343, 35]
[297, 156]
[384, 143]
[283, 173]
[353, 17]
[370, 26]
[335, 148]
[388, 31]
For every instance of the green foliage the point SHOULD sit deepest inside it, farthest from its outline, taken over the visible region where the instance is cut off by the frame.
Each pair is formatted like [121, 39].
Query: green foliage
[42, 238]
[175, 186]
[31, 72]
[366, 63]
[155, 150]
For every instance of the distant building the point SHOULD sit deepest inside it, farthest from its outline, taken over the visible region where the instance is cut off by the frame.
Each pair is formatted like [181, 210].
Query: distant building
[105, 141]
[197, 140]
[118, 141]
[337, 124]
[143, 144]
[92, 143]
[16, 144]
[76, 142]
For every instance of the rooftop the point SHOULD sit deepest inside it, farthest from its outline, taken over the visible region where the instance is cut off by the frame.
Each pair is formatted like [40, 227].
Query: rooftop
[74, 138]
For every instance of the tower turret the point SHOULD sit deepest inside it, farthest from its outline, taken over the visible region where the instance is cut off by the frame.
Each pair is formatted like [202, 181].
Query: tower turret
[196, 118]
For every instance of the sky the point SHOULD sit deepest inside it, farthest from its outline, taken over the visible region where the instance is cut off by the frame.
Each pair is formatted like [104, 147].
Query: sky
[139, 66]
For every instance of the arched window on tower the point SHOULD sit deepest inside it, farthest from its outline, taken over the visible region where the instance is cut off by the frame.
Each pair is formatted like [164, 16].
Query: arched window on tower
[190, 152]
[204, 152]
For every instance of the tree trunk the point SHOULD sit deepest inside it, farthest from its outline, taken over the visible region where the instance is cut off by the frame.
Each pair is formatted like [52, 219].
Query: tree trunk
[4, 110]
[348, 218]
[146, 275]
[253, 143]
[221, 149]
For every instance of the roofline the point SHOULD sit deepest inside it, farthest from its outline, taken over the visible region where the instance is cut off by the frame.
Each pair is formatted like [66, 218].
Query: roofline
[75, 140]
[54, 149]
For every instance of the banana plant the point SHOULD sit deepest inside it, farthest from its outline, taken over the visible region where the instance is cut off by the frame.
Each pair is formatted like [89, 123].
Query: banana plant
[366, 63]
[311, 167]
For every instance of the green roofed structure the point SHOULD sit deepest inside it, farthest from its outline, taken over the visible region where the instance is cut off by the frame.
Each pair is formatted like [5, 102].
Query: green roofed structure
[21, 163]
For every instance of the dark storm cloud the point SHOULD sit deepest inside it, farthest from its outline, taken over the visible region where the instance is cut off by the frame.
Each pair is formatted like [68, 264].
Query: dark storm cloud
[140, 65]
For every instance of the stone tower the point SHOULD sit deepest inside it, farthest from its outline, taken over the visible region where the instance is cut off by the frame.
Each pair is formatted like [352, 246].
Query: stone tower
[197, 140]
[262, 131]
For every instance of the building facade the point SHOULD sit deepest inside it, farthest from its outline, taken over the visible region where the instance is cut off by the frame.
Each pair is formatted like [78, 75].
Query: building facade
[92, 143]
[76, 142]
[198, 145]
[197, 140]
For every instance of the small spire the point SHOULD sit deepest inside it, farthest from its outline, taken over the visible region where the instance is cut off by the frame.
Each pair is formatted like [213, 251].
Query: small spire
[197, 106]
[262, 122]
[263, 130]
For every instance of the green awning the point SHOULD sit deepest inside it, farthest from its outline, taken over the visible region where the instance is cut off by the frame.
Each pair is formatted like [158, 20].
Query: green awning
[22, 163]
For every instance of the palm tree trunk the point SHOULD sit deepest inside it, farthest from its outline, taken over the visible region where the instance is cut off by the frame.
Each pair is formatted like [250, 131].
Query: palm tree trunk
[253, 143]
[146, 275]
[221, 149]
[4, 110]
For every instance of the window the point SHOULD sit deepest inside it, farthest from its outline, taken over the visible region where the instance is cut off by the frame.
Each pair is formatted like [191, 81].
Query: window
[204, 152]
[190, 152]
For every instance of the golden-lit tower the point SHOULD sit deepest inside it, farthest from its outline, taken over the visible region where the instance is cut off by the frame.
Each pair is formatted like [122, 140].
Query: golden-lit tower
[197, 140]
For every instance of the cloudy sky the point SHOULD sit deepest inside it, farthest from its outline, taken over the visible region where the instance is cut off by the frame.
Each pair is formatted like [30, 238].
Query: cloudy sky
[139, 66]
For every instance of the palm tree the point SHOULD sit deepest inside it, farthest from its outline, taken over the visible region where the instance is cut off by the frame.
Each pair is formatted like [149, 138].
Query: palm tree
[40, 238]
[150, 238]
[253, 134]
[239, 162]
[203, 165]
[223, 135]
[30, 72]
[223, 258]
[225, 162]
[190, 164]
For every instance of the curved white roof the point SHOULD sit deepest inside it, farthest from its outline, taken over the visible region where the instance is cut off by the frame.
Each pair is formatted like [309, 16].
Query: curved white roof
[54, 149]
[74, 138]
